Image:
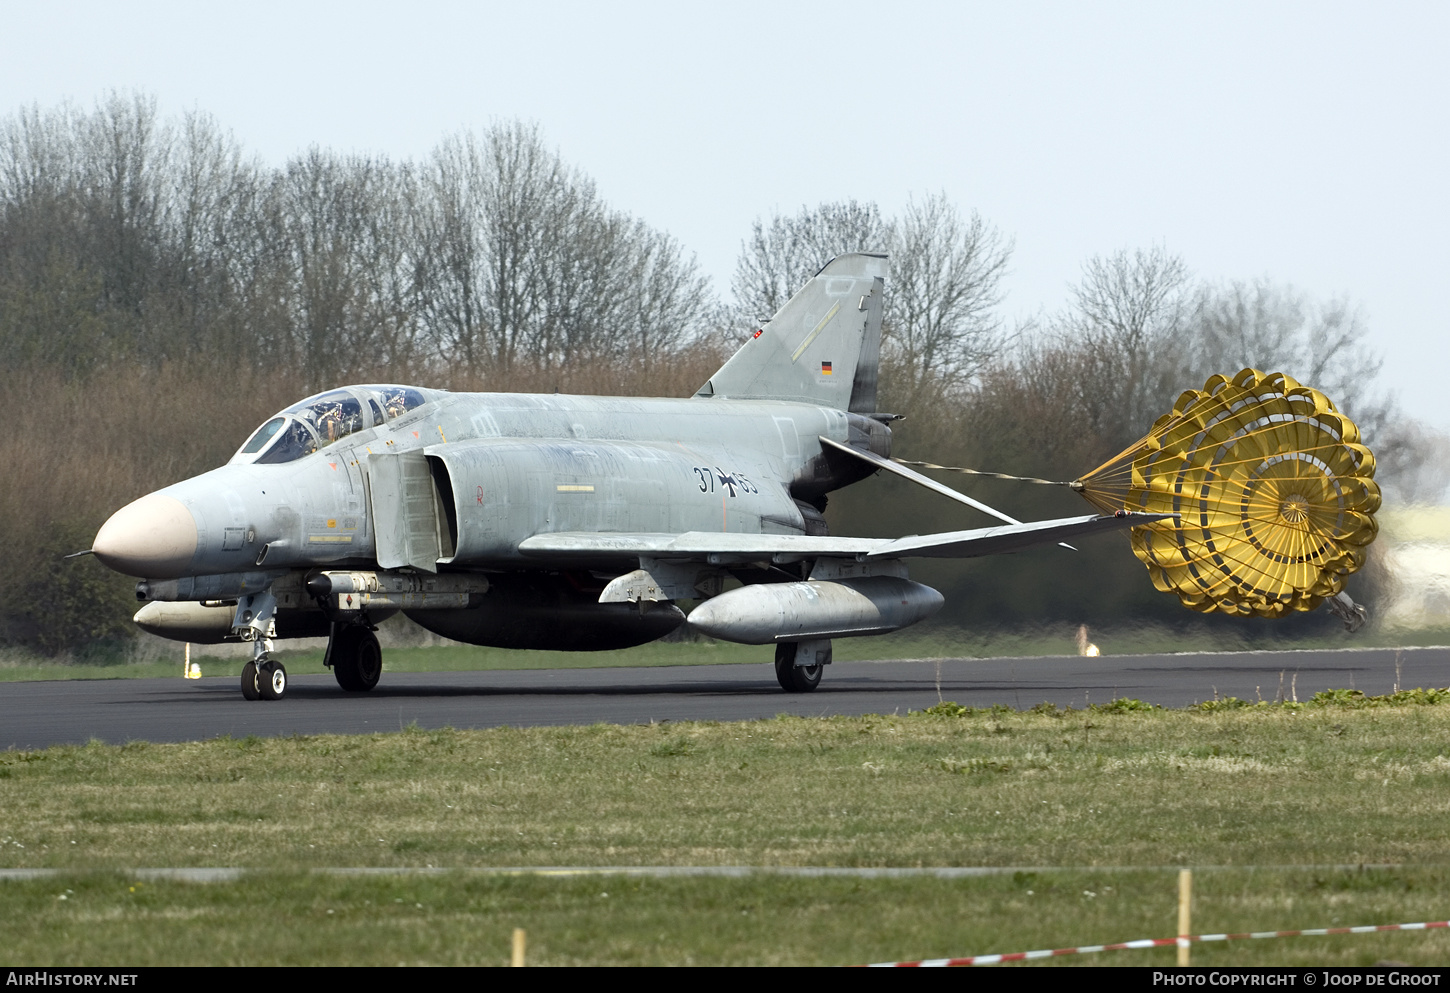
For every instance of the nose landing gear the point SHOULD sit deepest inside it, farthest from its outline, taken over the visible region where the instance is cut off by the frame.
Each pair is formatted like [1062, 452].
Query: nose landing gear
[263, 678]
[249, 682]
[271, 680]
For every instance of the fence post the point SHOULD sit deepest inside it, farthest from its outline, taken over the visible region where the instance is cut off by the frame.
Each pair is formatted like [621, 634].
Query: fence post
[1185, 922]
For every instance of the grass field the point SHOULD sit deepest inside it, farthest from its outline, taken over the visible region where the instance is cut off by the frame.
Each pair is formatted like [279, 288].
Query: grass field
[1335, 783]
[293, 918]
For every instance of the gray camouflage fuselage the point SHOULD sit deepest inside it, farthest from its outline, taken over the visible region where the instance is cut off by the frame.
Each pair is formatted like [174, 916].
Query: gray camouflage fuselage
[517, 465]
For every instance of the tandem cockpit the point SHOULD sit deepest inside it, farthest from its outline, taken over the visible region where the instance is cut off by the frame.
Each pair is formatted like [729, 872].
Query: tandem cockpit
[324, 419]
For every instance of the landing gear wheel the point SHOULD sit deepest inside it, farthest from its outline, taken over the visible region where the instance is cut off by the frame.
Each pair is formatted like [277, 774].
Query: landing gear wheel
[357, 659]
[271, 680]
[249, 682]
[795, 678]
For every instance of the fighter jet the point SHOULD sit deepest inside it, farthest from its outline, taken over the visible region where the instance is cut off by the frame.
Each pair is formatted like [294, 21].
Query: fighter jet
[561, 522]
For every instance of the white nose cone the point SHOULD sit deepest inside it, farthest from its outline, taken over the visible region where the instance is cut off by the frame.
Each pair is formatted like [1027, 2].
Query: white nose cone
[152, 538]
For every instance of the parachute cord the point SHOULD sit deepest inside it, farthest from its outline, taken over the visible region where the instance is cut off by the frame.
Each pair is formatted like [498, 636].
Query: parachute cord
[1074, 485]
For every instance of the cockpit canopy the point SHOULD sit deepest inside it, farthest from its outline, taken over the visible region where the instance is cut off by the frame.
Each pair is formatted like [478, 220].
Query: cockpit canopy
[326, 418]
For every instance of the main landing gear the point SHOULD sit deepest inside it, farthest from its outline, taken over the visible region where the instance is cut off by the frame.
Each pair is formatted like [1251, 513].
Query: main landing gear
[791, 670]
[355, 657]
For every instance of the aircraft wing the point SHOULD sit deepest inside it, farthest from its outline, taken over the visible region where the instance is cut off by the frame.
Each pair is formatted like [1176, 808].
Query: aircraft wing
[717, 548]
[727, 549]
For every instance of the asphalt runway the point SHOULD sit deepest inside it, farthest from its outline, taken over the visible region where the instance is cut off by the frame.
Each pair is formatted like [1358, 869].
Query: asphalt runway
[39, 714]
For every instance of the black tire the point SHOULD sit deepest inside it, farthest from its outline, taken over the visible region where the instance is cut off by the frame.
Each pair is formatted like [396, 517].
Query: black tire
[271, 680]
[249, 682]
[357, 659]
[795, 678]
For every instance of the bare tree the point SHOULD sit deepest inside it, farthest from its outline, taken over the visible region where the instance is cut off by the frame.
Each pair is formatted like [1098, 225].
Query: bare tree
[666, 310]
[449, 252]
[119, 232]
[127, 154]
[1278, 329]
[124, 236]
[1128, 322]
[349, 289]
[1133, 301]
[80, 245]
[782, 253]
[519, 261]
[211, 193]
[941, 324]
[530, 206]
[1140, 332]
[946, 271]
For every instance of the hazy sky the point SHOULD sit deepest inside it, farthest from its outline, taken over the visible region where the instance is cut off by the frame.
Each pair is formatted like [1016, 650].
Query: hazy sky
[1303, 142]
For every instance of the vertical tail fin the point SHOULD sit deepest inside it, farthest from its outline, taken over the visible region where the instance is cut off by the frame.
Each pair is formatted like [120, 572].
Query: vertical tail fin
[823, 346]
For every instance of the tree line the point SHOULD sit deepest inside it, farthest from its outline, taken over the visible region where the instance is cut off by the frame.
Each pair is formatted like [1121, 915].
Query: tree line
[162, 291]
[124, 237]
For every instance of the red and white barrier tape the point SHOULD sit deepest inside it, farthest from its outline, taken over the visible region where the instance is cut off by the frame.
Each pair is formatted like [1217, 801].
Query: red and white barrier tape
[1154, 943]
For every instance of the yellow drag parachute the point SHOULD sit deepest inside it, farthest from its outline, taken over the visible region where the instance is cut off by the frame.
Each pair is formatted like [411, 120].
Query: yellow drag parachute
[1275, 491]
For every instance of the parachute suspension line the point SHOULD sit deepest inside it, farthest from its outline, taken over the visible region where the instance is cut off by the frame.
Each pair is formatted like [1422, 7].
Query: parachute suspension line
[1121, 465]
[991, 475]
[1126, 469]
[1088, 489]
